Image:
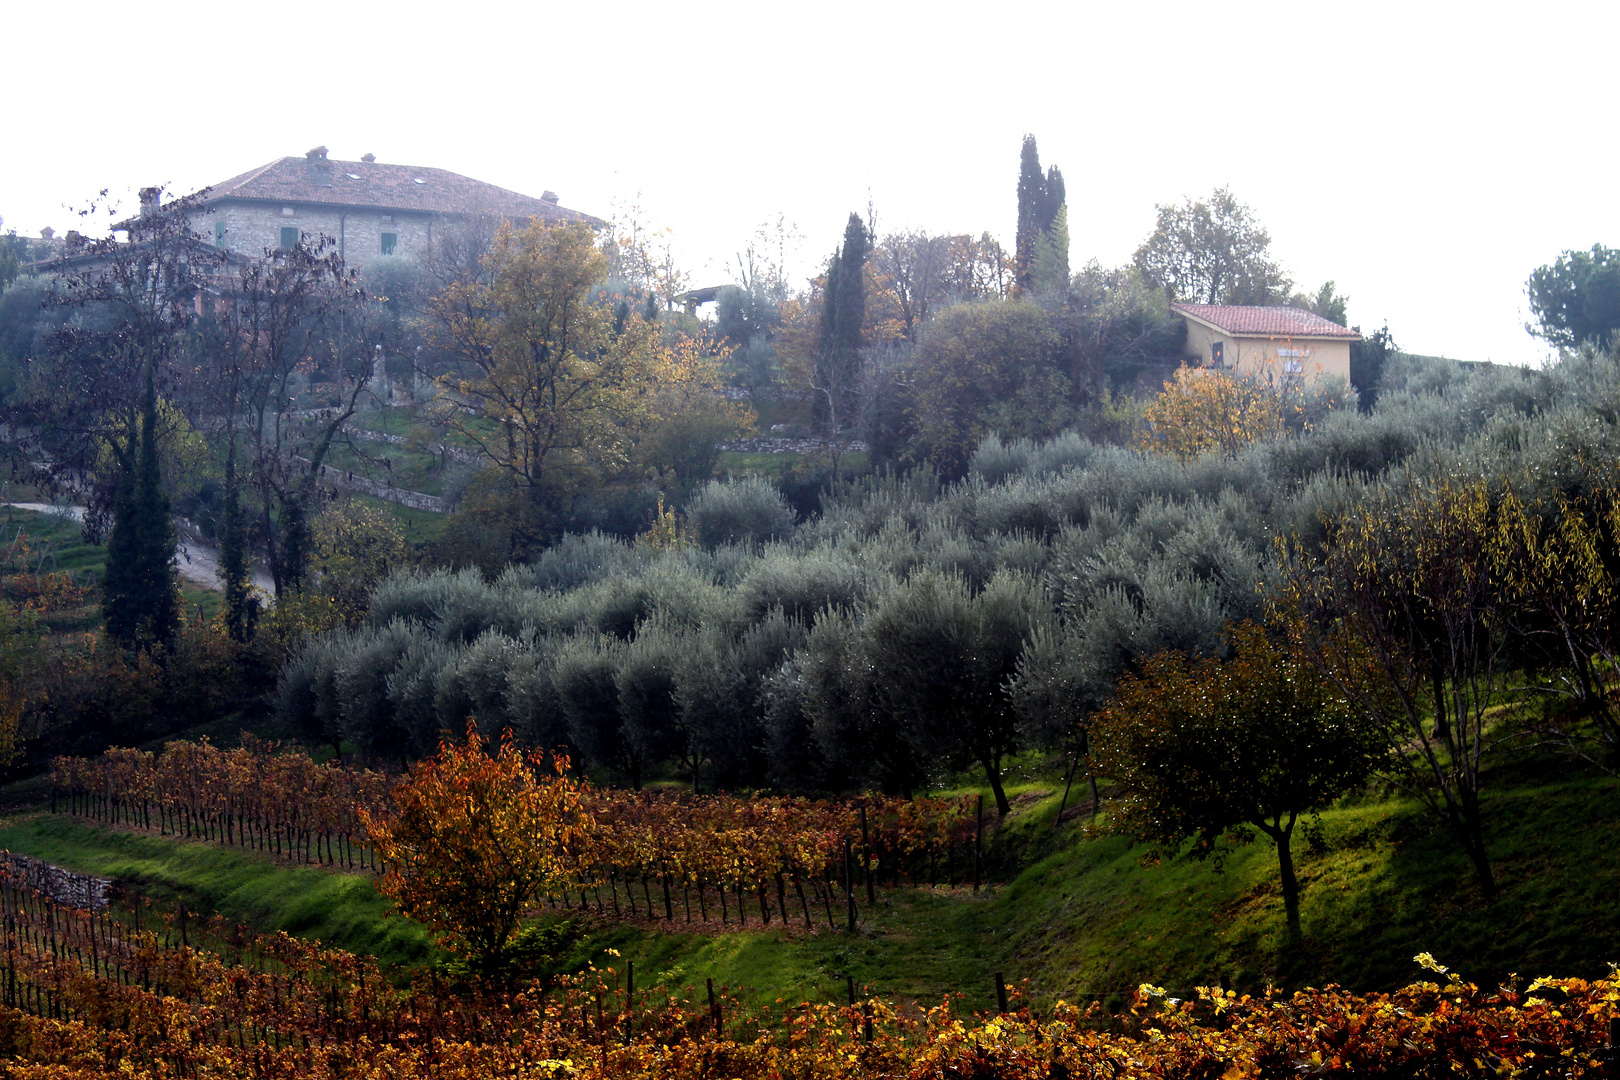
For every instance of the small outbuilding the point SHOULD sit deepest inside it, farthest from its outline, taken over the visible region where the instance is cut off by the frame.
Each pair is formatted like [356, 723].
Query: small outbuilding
[1274, 342]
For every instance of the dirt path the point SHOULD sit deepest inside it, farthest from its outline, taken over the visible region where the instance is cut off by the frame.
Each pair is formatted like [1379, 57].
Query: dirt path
[195, 561]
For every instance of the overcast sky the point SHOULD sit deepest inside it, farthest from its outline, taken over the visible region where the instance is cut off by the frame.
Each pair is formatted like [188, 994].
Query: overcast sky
[1424, 156]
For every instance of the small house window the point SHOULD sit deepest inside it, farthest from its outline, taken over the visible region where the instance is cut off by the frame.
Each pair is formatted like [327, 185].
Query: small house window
[1217, 354]
[389, 242]
[1293, 367]
[289, 237]
[219, 234]
[388, 219]
[286, 211]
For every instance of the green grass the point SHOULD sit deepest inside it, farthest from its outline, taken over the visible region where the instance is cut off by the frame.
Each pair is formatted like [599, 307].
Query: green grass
[413, 470]
[1077, 915]
[1089, 919]
[420, 526]
[58, 545]
[343, 910]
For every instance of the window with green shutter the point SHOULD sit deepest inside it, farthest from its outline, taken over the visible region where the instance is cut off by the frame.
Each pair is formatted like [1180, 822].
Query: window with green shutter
[219, 234]
[389, 242]
[289, 236]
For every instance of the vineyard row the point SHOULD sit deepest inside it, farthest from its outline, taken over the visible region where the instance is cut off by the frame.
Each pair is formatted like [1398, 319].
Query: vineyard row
[704, 852]
[89, 997]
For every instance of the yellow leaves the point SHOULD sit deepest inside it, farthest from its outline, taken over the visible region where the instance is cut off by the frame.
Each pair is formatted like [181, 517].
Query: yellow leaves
[1207, 410]
[1427, 960]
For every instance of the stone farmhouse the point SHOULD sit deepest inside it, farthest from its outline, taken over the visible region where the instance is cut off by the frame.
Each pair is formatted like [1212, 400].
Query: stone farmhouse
[371, 209]
[1279, 342]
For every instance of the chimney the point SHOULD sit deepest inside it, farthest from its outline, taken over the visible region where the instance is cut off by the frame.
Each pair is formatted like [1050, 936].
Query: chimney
[47, 233]
[151, 198]
[320, 169]
[368, 158]
[550, 197]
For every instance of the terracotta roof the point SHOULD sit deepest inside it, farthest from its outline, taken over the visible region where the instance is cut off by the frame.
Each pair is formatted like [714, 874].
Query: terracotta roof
[1243, 321]
[387, 187]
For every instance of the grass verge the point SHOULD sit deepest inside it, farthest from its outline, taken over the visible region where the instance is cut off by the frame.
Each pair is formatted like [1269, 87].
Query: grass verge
[342, 910]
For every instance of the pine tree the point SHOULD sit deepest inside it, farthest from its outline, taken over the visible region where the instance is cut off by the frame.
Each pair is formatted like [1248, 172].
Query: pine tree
[1031, 199]
[140, 601]
[843, 319]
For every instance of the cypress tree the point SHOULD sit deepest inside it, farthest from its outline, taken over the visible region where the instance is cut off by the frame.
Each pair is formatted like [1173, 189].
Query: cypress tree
[140, 599]
[1031, 205]
[239, 605]
[1041, 261]
[1052, 255]
[843, 319]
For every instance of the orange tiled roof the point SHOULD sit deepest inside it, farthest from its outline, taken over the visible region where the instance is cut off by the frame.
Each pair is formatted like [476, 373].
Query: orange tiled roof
[1245, 321]
[373, 184]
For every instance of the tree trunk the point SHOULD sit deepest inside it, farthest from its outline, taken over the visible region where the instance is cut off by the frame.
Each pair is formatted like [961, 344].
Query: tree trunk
[1282, 835]
[992, 772]
[1471, 831]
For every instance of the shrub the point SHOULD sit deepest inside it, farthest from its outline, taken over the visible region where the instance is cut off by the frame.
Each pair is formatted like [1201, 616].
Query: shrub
[745, 511]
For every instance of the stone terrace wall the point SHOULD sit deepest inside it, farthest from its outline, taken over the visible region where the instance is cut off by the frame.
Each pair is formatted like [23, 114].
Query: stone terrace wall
[63, 886]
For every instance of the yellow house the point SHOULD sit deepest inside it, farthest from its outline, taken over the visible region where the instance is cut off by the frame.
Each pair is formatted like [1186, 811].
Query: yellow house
[1273, 343]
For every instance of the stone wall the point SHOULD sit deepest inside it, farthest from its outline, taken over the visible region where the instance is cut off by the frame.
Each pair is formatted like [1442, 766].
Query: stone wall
[349, 480]
[250, 227]
[64, 886]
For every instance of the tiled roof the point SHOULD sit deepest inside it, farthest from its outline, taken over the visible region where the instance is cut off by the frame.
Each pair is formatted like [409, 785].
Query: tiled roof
[1266, 321]
[372, 184]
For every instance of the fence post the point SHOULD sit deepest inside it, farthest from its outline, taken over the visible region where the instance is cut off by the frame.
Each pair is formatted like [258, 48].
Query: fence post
[630, 999]
[714, 1009]
[1001, 994]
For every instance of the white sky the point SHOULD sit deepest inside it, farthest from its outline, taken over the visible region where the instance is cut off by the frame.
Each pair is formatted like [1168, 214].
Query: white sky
[1426, 156]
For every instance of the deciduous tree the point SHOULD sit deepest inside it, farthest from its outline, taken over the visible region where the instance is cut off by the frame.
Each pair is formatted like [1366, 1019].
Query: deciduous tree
[474, 838]
[1215, 747]
[1212, 252]
[548, 392]
[1211, 410]
[1407, 606]
[975, 357]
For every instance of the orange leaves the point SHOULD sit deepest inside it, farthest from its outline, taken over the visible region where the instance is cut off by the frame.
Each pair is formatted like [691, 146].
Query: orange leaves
[473, 839]
[87, 998]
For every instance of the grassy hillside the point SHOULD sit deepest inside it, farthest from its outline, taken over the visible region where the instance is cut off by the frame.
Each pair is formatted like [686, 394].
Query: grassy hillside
[339, 909]
[1082, 918]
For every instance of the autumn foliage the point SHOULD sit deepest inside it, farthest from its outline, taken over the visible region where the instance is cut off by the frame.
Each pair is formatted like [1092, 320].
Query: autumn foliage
[85, 996]
[606, 849]
[472, 839]
[1211, 410]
